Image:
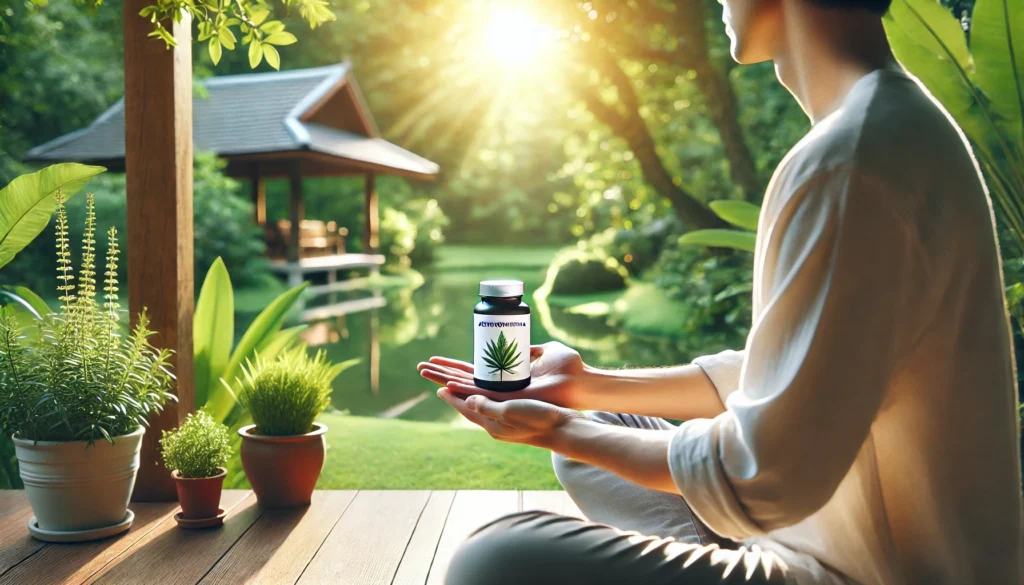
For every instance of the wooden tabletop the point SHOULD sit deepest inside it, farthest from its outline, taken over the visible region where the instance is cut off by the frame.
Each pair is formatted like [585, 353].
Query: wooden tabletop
[344, 537]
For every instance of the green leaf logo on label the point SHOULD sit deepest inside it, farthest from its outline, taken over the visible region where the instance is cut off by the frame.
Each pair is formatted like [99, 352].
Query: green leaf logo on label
[502, 356]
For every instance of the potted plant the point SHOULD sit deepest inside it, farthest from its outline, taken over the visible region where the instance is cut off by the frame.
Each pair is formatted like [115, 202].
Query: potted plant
[283, 452]
[75, 393]
[197, 452]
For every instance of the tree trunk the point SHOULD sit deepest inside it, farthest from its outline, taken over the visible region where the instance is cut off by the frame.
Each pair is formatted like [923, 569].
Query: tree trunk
[632, 128]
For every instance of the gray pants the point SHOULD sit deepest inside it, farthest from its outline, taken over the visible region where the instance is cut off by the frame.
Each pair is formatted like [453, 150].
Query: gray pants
[634, 535]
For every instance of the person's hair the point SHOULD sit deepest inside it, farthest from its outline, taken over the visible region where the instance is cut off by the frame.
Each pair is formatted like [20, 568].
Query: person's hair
[878, 7]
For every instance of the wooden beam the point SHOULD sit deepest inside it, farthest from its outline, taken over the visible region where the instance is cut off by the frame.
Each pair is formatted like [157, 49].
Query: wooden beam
[371, 236]
[259, 195]
[158, 163]
[296, 210]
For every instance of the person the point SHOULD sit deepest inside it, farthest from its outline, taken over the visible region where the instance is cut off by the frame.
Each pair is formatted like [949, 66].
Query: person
[867, 433]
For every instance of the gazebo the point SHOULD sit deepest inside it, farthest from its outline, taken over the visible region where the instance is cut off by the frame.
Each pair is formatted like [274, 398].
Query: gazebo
[289, 124]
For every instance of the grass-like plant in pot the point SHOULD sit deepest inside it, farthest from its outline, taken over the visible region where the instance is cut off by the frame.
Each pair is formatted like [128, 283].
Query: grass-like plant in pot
[197, 452]
[75, 394]
[283, 451]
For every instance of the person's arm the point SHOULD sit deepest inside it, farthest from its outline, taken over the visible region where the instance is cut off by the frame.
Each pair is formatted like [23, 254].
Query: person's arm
[560, 377]
[837, 310]
[840, 267]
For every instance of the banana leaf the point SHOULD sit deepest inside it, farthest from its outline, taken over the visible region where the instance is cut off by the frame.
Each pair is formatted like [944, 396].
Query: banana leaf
[27, 203]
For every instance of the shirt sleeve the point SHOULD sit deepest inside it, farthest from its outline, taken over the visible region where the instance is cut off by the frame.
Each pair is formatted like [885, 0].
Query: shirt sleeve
[723, 369]
[832, 294]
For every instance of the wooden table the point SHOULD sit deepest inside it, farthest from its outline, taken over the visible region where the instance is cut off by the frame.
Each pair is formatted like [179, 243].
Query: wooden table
[344, 537]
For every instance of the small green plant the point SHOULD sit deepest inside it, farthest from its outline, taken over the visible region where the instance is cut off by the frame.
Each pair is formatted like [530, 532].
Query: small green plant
[285, 395]
[503, 356]
[73, 375]
[198, 448]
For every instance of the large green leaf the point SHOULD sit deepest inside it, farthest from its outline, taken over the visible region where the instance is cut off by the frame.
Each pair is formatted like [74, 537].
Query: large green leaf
[25, 299]
[738, 213]
[213, 330]
[27, 203]
[997, 44]
[219, 401]
[929, 41]
[735, 239]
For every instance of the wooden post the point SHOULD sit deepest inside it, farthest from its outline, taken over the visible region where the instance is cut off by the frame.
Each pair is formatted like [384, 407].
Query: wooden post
[259, 195]
[296, 213]
[371, 238]
[158, 170]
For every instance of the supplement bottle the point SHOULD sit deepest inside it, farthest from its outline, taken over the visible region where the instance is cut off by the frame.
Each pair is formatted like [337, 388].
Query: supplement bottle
[501, 335]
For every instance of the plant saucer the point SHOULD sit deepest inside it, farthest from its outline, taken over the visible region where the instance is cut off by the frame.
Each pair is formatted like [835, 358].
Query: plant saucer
[80, 535]
[213, 522]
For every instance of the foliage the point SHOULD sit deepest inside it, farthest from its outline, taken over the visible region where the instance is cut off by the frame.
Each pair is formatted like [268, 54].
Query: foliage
[715, 288]
[637, 249]
[285, 395]
[410, 233]
[218, 20]
[198, 448]
[75, 376]
[27, 203]
[397, 235]
[213, 334]
[575, 271]
[223, 227]
[60, 66]
[431, 223]
[741, 214]
[981, 84]
[502, 356]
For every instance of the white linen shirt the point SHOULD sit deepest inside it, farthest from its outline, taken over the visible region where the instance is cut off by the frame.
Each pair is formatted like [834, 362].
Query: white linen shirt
[871, 432]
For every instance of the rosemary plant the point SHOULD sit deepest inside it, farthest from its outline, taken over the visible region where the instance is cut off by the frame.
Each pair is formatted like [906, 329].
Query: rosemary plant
[198, 448]
[284, 396]
[74, 375]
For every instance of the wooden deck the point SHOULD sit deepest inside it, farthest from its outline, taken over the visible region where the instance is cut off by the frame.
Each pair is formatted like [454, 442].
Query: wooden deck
[344, 537]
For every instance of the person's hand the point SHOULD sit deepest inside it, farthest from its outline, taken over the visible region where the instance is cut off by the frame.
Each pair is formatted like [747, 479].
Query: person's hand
[530, 422]
[558, 376]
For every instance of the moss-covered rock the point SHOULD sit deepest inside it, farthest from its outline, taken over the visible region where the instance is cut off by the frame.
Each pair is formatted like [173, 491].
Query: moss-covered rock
[577, 272]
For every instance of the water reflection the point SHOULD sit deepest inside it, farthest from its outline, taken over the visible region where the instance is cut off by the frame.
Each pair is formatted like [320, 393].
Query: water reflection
[391, 332]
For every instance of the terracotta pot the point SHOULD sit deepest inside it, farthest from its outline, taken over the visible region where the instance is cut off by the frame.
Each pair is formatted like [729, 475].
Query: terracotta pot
[199, 496]
[283, 470]
[73, 486]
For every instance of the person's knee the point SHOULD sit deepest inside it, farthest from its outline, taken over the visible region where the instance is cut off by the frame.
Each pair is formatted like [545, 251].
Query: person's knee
[510, 551]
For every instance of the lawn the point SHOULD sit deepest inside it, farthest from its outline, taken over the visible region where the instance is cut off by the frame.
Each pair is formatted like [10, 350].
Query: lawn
[375, 454]
[372, 453]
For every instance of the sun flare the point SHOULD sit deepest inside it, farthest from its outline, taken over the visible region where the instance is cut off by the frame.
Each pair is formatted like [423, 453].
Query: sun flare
[515, 38]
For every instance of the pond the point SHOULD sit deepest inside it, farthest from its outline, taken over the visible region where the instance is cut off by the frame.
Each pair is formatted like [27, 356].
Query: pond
[390, 332]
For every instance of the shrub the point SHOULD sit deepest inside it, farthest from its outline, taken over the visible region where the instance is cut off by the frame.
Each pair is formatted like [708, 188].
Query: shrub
[412, 232]
[73, 375]
[716, 289]
[284, 396]
[198, 448]
[430, 222]
[397, 236]
[575, 271]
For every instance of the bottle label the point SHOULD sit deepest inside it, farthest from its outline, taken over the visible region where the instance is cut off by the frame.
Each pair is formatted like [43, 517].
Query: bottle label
[501, 350]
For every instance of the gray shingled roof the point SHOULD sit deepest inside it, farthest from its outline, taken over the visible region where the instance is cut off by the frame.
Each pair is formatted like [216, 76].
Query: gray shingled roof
[247, 114]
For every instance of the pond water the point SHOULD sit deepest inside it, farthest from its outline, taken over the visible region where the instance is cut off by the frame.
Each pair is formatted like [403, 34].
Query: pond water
[390, 332]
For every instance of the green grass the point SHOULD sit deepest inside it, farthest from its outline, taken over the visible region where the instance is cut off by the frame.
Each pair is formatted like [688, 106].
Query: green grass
[456, 257]
[372, 453]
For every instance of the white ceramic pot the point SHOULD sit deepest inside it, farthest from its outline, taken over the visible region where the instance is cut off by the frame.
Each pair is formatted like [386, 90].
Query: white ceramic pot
[74, 486]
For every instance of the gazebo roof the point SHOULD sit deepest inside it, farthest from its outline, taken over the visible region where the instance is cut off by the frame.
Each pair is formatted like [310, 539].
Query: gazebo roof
[317, 114]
